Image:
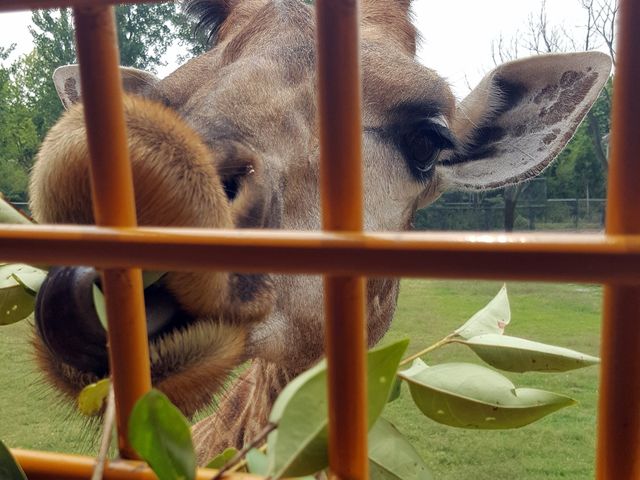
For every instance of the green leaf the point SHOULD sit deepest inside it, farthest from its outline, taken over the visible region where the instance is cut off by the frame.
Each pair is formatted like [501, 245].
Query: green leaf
[29, 277]
[151, 277]
[299, 445]
[391, 455]
[493, 318]
[9, 468]
[396, 389]
[148, 279]
[257, 462]
[515, 354]
[382, 367]
[471, 396]
[100, 306]
[161, 436]
[18, 285]
[93, 396]
[10, 215]
[221, 459]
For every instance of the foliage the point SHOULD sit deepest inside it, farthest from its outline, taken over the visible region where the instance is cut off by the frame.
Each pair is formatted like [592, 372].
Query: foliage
[220, 460]
[93, 396]
[29, 104]
[299, 445]
[18, 286]
[564, 314]
[18, 138]
[160, 434]
[9, 468]
[392, 456]
[455, 394]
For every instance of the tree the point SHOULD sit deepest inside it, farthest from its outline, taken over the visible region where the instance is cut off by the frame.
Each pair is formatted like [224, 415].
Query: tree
[18, 139]
[145, 33]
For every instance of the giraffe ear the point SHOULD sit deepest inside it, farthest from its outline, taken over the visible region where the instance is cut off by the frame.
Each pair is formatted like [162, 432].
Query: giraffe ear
[520, 117]
[67, 82]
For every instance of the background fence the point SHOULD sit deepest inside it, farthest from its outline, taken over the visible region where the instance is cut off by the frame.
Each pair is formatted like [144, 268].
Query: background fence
[567, 214]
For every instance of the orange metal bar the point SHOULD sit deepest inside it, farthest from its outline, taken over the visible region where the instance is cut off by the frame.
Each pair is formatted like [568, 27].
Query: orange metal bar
[57, 466]
[113, 205]
[544, 257]
[618, 454]
[11, 5]
[339, 89]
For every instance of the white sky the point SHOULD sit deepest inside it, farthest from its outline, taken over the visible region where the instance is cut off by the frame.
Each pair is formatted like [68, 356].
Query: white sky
[457, 33]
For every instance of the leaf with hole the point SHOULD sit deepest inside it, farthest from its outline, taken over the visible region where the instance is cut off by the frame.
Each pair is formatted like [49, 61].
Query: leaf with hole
[18, 286]
[299, 445]
[93, 396]
[515, 354]
[391, 455]
[493, 318]
[9, 468]
[472, 396]
[221, 459]
[162, 437]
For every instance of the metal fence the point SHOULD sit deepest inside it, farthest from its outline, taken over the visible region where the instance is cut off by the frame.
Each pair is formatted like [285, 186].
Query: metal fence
[553, 214]
[121, 249]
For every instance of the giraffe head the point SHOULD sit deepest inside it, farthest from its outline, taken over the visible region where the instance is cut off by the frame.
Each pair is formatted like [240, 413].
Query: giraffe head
[230, 140]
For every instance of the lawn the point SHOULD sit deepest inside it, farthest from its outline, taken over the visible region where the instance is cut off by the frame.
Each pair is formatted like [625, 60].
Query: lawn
[560, 446]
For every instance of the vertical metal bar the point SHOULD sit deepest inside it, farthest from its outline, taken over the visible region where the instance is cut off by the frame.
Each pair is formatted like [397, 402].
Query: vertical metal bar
[618, 453]
[114, 205]
[341, 188]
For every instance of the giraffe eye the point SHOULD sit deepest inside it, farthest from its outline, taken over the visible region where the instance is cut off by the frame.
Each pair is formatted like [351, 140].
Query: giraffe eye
[423, 144]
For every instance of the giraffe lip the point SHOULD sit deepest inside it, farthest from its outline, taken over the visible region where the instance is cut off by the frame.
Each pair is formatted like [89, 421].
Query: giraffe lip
[68, 325]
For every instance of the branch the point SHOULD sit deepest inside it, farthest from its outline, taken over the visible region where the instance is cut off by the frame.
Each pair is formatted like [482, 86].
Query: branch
[109, 417]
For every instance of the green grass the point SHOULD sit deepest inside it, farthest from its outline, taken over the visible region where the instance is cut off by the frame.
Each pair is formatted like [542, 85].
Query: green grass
[560, 446]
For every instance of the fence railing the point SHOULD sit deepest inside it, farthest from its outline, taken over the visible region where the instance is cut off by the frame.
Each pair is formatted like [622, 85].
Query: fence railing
[552, 214]
[617, 254]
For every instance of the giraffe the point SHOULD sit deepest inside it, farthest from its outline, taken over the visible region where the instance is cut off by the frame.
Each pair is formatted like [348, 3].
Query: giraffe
[230, 140]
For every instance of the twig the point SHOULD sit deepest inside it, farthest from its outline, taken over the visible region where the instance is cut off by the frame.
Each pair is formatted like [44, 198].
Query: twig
[231, 464]
[105, 442]
[438, 344]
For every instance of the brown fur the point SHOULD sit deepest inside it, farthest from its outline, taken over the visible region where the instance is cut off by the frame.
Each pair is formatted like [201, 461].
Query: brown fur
[241, 120]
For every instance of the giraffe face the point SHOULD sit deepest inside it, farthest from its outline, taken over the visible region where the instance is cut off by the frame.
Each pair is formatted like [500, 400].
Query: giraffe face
[230, 140]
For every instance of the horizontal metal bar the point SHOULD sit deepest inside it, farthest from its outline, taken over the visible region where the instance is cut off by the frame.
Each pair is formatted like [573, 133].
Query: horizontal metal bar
[58, 466]
[545, 257]
[12, 5]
